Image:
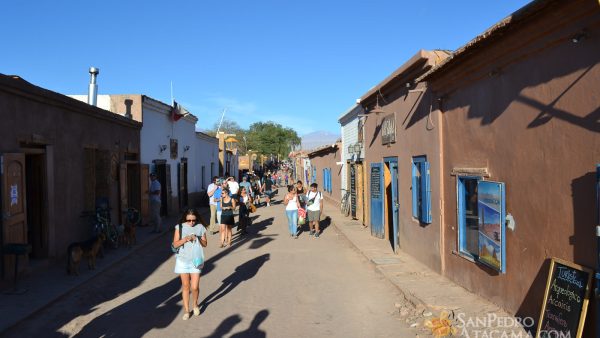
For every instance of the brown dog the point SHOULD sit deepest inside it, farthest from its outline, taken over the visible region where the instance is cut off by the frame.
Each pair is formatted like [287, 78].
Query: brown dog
[88, 249]
[129, 234]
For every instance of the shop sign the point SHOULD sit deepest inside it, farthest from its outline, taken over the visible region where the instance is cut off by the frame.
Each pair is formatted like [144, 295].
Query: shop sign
[388, 129]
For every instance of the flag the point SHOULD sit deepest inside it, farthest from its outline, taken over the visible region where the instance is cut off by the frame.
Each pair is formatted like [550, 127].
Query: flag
[177, 112]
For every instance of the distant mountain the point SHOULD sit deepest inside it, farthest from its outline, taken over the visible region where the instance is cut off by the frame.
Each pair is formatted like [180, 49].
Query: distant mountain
[317, 139]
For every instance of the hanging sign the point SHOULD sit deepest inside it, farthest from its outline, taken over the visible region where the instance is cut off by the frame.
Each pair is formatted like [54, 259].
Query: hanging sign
[388, 129]
[565, 301]
[376, 182]
[14, 195]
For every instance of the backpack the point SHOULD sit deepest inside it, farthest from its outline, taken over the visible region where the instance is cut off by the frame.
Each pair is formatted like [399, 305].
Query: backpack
[174, 249]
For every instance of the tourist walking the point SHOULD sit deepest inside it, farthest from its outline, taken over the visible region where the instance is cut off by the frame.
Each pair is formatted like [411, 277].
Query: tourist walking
[155, 203]
[228, 205]
[234, 187]
[244, 214]
[291, 210]
[301, 193]
[267, 187]
[245, 184]
[210, 191]
[314, 206]
[187, 261]
[256, 191]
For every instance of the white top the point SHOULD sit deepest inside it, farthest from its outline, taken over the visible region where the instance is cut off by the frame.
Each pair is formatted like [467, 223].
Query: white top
[211, 199]
[291, 204]
[234, 187]
[154, 186]
[316, 206]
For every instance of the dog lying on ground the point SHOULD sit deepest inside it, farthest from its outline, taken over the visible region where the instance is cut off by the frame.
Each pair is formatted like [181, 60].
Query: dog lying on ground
[79, 250]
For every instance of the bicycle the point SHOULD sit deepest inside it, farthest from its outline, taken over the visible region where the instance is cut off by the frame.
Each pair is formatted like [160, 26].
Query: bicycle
[104, 225]
[345, 204]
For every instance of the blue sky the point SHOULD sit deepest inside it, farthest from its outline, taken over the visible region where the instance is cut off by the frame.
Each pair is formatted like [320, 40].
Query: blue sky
[298, 63]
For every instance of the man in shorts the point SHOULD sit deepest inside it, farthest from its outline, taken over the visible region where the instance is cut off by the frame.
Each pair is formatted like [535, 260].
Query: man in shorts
[313, 210]
[267, 187]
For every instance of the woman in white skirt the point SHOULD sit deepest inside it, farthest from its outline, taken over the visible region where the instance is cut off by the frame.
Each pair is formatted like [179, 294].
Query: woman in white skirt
[193, 228]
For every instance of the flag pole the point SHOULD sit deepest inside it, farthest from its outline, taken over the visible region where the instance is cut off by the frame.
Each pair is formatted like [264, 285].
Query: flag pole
[222, 116]
[172, 98]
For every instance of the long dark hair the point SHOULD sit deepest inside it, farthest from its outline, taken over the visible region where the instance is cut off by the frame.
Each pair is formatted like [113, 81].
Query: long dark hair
[192, 211]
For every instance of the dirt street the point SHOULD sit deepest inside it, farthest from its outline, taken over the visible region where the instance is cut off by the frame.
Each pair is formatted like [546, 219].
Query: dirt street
[265, 284]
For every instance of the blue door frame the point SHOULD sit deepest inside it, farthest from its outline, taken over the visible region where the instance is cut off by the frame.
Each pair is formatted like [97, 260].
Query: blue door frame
[392, 163]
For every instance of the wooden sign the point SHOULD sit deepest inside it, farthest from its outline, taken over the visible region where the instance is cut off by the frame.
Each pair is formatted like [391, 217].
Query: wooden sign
[565, 301]
[388, 129]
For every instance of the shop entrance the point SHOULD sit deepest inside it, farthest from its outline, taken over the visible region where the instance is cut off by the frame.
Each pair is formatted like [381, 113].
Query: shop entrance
[392, 204]
[163, 174]
[182, 174]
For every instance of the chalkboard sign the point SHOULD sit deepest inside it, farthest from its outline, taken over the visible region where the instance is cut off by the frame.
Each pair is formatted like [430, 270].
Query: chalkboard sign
[565, 300]
[353, 190]
[375, 182]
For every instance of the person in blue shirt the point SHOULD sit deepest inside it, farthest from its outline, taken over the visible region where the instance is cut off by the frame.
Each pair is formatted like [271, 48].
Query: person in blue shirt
[191, 228]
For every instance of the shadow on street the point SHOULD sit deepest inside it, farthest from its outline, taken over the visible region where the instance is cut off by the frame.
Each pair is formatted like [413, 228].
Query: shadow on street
[242, 273]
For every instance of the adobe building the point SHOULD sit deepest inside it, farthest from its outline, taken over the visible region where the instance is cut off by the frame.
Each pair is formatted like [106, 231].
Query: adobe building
[401, 142]
[519, 108]
[60, 157]
[326, 171]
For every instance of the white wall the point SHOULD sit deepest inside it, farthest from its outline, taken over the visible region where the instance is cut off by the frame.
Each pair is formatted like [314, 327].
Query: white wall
[102, 101]
[349, 137]
[158, 130]
[206, 152]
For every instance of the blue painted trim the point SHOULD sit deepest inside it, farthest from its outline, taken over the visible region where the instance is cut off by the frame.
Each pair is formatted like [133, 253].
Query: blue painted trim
[415, 190]
[460, 200]
[426, 199]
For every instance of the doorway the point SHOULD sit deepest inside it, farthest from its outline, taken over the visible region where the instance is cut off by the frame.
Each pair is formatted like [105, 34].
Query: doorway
[163, 175]
[36, 202]
[392, 205]
[182, 174]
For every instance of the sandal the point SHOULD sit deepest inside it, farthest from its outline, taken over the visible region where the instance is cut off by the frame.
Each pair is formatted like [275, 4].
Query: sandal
[196, 311]
[186, 316]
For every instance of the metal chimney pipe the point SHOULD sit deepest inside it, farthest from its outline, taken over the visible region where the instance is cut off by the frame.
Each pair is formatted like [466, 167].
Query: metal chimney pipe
[93, 88]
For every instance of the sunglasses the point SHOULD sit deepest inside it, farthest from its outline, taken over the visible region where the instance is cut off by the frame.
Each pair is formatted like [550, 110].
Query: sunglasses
[190, 220]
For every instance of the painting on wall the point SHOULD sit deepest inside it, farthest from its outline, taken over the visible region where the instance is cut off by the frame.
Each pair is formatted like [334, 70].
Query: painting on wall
[490, 203]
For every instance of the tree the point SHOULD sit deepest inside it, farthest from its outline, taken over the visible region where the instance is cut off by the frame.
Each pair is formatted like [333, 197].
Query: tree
[270, 138]
[231, 127]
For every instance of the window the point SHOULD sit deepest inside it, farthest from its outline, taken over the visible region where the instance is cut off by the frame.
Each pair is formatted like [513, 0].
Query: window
[468, 219]
[203, 177]
[212, 170]
[421, 189]
[481, 221]
[327, 179]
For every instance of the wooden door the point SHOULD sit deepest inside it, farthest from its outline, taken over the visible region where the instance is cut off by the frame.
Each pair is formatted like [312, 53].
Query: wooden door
[360, 205]
[14, 213]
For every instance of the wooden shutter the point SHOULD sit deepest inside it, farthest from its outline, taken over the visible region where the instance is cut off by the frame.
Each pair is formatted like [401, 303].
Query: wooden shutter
[425, 193]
